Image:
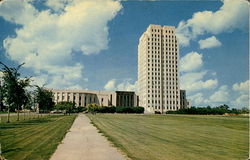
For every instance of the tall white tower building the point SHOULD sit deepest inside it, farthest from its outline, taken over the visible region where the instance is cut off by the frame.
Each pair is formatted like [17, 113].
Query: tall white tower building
[158, 73]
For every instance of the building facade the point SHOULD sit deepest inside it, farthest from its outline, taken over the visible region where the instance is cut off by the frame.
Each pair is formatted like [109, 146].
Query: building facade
[103, 98]
[158, 71]
[183, 100]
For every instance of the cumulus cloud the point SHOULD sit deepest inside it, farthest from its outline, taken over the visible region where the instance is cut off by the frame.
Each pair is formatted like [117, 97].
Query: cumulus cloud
[242, 94]
[19, 12]
[241, 101]
[241, 87]
[198, 99]
[125, 85]
[58, 5]
[233, 14]
[110, 85]
[210, 42]
[191, 61]
[194, 81]
[220, 96]
[192, 75]
[46, 39]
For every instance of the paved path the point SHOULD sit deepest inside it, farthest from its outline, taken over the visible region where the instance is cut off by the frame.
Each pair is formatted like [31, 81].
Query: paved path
[83, 142]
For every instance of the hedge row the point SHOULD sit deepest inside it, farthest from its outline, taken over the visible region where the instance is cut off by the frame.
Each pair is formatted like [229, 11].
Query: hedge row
[93, 108]
[220, 110]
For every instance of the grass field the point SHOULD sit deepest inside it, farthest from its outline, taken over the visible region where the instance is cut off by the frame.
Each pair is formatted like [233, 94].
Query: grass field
[22, 116]
[34, 139]
[176, 137]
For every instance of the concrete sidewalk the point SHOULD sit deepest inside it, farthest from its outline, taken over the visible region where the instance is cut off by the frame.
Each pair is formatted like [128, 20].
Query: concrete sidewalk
[83, 142]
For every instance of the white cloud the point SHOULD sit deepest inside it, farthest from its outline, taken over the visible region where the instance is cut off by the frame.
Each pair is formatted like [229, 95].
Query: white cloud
[58, 5]
[110, 85]
[125, 85]
[220, 96]
[232, 15]
[19, 12]
[241, 90]
[198, 99]
[241, 101]
[190, 62]
[210, 42]
[193, 81]
[241, 87]
[46, 39]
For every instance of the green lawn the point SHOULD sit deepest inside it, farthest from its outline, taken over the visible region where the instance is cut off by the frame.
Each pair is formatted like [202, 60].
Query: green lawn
[34, 139]
[22, 116]
[176, 137]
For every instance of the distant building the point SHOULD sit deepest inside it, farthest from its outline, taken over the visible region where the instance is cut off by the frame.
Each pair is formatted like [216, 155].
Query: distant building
[158, 70]
[183, 101]
[102, 98]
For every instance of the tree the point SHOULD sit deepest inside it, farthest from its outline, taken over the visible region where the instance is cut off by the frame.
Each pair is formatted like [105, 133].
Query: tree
[13, 87]
[1, 97]
[44, 99]
[66, 106]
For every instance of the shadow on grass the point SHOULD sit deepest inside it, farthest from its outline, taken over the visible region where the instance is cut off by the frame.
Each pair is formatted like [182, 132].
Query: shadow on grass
[24, 123]
[12, 150]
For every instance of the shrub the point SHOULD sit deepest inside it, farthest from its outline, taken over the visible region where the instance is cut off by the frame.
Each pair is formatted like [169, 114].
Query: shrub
[79, 109]
[220, 110]
[129, 110]
[138, 109]
[106, 109]
[94, 108]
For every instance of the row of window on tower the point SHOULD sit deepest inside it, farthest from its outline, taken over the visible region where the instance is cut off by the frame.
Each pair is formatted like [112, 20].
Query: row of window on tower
[159, 101]
[166, 61]
[162, 36]
[166, 44]
[158, 96]
[167, 108]
[159, 30]
[167, 53]
[154, 47]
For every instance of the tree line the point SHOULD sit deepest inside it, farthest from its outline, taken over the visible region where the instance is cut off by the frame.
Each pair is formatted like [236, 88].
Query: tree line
[219, 110]
[14, 93]
[94, 108]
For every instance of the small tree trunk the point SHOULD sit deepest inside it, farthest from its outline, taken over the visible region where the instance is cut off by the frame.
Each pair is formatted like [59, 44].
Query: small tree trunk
[18, 113]
[8, 117]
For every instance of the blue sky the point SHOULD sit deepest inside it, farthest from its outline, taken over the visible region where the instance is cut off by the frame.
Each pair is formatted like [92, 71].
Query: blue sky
[93, 44]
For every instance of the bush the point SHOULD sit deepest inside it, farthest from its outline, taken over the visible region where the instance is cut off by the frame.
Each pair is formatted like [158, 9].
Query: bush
[107, 109]
[138, 109]
[79, 109]
[220, 110]
[94, 108]
[129, 110]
